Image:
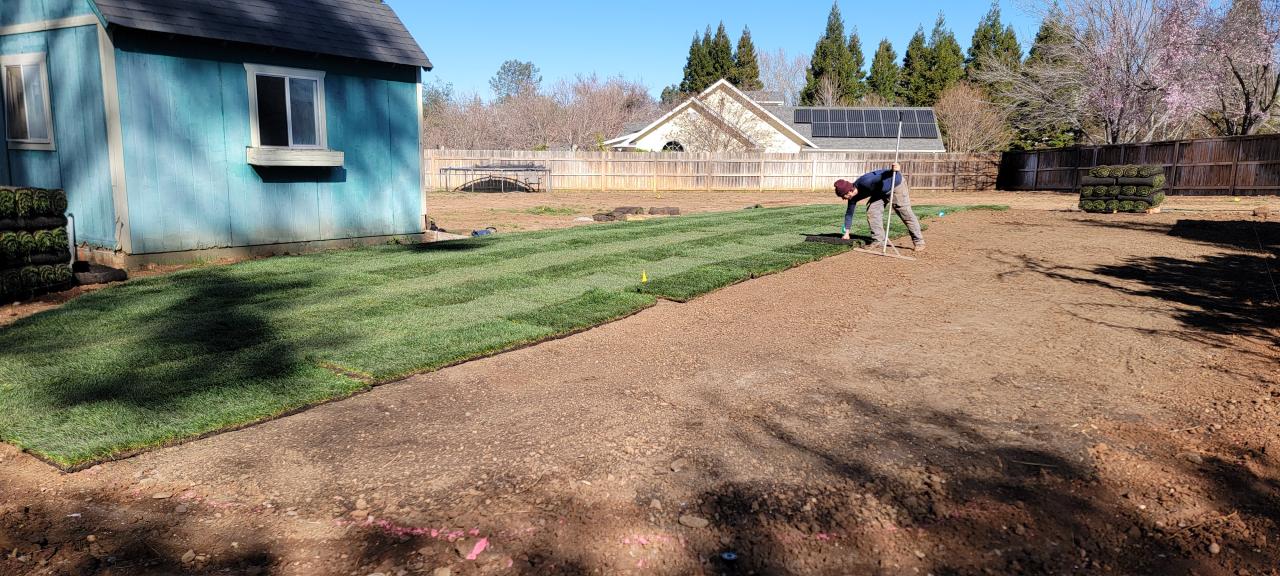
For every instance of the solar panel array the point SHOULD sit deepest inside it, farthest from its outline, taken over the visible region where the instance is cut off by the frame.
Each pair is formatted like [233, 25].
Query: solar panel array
[868, 122]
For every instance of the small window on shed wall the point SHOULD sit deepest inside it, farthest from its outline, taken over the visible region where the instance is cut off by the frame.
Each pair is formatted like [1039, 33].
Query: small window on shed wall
[24, 81]
[286, 107]
[673, 146]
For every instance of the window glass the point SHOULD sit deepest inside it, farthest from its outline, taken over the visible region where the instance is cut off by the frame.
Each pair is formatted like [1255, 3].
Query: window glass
[37, 124]
[302, 108]
[273, 116]
[15, 107]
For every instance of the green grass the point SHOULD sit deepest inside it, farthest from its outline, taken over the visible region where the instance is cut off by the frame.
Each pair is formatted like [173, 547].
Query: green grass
[551, 211]
[166, 358]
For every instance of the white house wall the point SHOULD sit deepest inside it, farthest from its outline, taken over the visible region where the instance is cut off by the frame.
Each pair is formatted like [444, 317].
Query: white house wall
[750, 123]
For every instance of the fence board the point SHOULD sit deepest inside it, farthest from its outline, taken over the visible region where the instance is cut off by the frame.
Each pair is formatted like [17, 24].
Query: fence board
[744, 171]
[1242, 166]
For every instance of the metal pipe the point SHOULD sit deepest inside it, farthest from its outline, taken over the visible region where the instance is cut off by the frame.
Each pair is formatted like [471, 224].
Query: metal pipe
[71, 236]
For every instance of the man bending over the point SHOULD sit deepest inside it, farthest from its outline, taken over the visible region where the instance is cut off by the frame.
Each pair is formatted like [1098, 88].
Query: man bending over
[876, 186]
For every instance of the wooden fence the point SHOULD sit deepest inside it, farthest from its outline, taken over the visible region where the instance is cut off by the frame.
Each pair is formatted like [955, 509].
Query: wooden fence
[1238, 166]
[680, 171]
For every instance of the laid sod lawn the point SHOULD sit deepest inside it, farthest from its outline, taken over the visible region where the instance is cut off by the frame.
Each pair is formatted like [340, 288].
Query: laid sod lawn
[165, 358]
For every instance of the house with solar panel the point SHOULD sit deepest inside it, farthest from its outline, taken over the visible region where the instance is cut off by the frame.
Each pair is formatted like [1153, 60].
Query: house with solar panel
[725, 119]
[207, 128]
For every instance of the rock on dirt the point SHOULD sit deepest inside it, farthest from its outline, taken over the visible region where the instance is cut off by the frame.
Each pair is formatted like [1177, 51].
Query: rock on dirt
[443, 571]
[189, 556]
[694, 521]
[664, 211]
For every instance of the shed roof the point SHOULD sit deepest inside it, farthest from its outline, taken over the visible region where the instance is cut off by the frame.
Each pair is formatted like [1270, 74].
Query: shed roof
[361, 29]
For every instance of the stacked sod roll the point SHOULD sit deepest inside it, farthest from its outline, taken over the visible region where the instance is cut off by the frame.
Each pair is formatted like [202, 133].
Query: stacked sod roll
[34, 252]
[1126, 188]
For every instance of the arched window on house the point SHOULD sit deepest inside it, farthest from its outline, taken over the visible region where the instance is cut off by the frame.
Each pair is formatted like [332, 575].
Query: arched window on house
[673, 146]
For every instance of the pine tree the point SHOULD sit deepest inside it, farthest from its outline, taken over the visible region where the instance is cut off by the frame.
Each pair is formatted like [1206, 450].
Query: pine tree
[1051, 32]
[746, 68]
[947, 61]
[991, 40]
[720, 55]
[832, 63]
[913, 81]
[858, 60]
[883, 79]
[694, 66]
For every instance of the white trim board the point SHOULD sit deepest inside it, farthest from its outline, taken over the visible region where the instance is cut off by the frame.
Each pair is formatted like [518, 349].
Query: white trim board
[115, 141]
[322, 122]
[44, 25]
[39, 59]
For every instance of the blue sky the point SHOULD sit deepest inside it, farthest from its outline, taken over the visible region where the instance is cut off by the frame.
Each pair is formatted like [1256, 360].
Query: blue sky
[649, 41]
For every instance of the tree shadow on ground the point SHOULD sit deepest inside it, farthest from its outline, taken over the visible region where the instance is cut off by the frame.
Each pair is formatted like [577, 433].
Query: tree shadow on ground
[890, 497]
[218, 333]
[1221, 295]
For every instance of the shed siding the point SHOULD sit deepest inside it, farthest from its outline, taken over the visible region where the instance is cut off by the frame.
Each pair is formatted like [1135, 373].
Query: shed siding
[79, 163]
[27, 11]
[186, 127]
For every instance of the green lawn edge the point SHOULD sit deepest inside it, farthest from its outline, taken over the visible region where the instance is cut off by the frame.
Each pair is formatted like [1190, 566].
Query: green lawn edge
[269, 380]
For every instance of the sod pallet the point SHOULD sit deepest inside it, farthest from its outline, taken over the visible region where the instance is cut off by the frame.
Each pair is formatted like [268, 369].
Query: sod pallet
[1123, 188]
[34, 248]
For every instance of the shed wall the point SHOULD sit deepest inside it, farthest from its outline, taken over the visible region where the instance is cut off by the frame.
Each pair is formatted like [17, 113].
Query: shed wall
[185, 123]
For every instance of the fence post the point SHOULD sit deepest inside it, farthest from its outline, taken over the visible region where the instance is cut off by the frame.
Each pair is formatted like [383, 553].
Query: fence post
[604, 171]
[763, 169]
[1235, 165]
[1035, 174]
[1173, 170]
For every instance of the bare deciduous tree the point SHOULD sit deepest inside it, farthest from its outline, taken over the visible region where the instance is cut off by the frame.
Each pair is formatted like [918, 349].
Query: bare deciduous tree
[1112, 75]
[783, 73]
[579, 113]
[830, 92]
[970, 123]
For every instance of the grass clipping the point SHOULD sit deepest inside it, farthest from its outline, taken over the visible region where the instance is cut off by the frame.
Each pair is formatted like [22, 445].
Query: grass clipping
[163, 359]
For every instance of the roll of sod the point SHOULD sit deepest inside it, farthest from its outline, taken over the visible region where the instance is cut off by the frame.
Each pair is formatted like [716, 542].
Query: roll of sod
[1156, 181]
[40, 202]
[22, 203]
[8, 204]
[57, 202]
[26, 244]
[9, 246]
[1096, 181]
[30, 277]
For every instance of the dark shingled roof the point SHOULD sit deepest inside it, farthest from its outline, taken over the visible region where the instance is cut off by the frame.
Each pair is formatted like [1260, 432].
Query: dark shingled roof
[360, 29]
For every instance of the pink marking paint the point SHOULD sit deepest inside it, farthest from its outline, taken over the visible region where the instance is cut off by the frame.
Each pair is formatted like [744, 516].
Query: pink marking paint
[479, 547]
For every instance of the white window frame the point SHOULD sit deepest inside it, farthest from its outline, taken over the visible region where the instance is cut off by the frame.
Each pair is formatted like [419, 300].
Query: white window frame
[322, 134]
[35, 58]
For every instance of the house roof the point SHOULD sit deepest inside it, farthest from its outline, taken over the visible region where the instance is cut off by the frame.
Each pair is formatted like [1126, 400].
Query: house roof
[780, 124]
[787, 114]
[360, 29]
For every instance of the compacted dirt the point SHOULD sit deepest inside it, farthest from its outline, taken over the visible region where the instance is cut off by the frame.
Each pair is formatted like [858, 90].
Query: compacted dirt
[1040, 393]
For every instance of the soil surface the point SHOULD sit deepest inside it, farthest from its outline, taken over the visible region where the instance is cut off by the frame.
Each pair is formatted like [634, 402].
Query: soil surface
[1041, 392]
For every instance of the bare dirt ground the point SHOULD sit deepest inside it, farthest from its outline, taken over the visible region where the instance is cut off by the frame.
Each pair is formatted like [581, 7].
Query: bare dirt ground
[1041, 393]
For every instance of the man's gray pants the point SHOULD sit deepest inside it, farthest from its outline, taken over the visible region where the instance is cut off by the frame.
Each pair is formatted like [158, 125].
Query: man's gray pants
[901, 205]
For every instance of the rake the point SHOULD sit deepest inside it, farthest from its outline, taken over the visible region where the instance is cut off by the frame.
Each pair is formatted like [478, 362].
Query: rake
[885, 245]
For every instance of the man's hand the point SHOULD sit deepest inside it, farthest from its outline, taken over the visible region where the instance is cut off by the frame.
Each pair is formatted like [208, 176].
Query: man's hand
[896, 167]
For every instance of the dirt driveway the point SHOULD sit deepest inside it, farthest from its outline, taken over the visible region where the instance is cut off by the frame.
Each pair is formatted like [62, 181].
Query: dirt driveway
[1042, 392]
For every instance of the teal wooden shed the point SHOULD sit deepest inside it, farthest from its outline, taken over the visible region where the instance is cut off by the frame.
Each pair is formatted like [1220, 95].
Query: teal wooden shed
[185, 129]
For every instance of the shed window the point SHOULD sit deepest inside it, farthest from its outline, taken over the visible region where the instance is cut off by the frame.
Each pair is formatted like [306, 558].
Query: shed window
[287, 107]
[25, 84]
